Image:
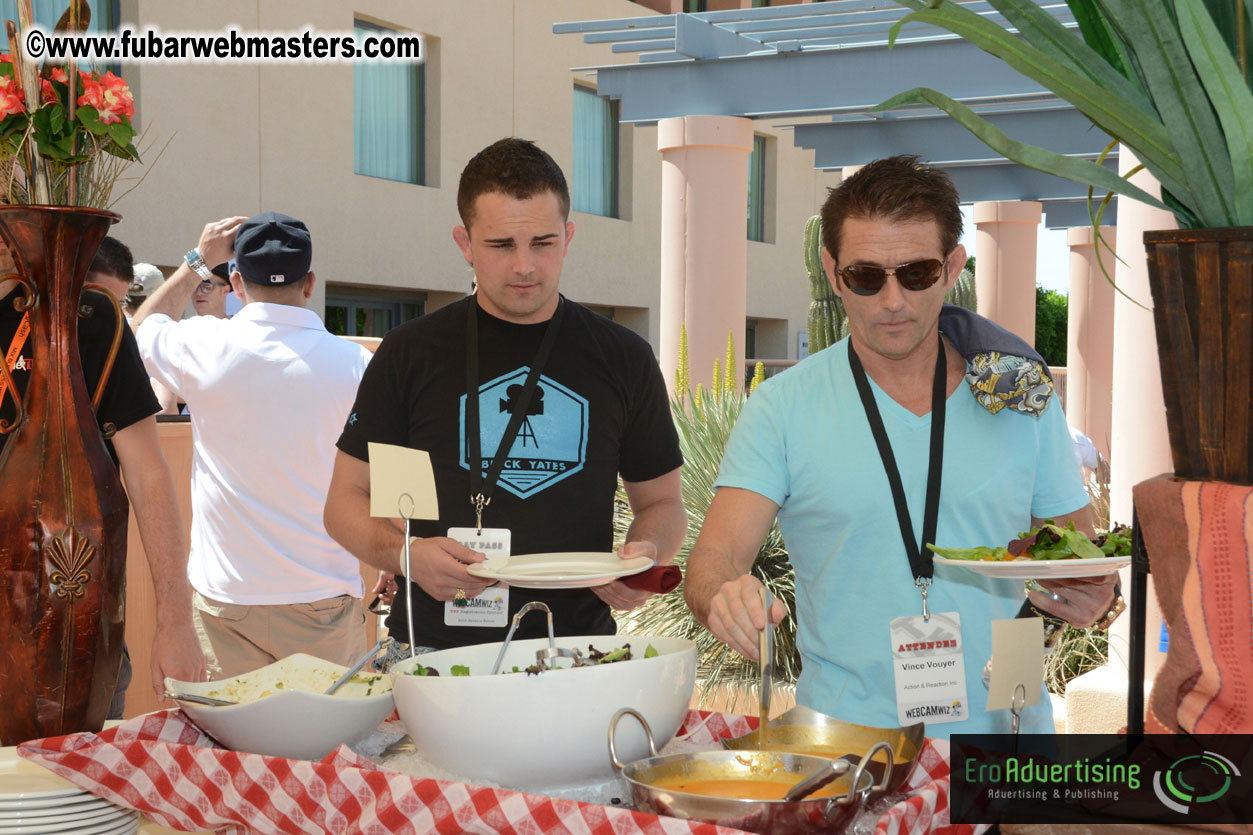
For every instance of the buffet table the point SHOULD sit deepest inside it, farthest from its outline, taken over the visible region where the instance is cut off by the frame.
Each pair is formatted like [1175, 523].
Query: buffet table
[164, 766]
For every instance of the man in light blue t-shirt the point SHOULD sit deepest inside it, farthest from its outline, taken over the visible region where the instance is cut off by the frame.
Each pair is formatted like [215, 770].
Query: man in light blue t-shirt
[926, 420]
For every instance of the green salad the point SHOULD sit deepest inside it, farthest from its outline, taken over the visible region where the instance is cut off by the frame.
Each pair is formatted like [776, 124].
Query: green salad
[1048, 542]
[594, 657]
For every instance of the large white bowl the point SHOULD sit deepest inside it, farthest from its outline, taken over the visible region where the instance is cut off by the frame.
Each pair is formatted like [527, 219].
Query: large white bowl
[533, 732]
[293, 718]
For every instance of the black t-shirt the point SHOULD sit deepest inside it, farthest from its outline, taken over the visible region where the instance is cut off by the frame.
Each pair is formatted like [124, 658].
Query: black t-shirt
[601, 409]
[127, 397]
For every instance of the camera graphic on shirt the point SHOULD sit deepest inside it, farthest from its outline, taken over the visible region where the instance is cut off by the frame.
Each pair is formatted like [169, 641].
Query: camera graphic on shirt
[526, 434]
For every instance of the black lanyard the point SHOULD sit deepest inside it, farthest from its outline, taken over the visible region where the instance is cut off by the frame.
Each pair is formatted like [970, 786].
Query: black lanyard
[481, 486]
[920, 559]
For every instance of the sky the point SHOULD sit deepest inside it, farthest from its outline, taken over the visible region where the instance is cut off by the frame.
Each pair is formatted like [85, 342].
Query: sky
[1052, 269]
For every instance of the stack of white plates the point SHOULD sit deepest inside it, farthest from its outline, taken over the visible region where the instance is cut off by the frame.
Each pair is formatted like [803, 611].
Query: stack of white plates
[34, 801]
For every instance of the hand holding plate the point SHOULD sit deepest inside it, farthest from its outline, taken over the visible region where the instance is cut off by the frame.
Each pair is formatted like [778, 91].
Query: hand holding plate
[439, 567]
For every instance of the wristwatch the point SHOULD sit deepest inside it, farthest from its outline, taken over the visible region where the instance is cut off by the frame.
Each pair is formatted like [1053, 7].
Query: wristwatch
[1115, 609]
[196, 262]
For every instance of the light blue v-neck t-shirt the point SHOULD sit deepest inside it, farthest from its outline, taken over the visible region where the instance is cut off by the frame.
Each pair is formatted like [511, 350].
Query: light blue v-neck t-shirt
[803, 442]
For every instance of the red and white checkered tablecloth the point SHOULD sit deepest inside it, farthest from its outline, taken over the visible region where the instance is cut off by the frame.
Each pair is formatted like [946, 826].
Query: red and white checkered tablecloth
[164, 766]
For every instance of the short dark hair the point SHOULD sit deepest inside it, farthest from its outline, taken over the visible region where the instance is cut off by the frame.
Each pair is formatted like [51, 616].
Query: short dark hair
[114, 258]
[512, 166]
[900, 188]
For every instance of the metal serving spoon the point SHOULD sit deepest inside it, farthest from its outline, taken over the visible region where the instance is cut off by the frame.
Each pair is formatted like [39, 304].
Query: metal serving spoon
[352, 671]
[197, 699]
[815, 781]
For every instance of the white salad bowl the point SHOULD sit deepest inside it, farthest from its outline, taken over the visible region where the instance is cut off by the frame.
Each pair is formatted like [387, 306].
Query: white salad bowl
[282, 710]
[532, 732]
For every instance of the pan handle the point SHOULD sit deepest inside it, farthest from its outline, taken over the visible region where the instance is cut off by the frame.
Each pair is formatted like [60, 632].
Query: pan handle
[855, 793]
[613, 727]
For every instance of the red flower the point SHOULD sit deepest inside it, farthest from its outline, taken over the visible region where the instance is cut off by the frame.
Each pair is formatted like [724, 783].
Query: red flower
[45, 85]
[110, 96]
[10, 97]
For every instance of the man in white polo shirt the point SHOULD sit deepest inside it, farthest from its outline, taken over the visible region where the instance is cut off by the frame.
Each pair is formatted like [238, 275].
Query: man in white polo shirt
[268, 391]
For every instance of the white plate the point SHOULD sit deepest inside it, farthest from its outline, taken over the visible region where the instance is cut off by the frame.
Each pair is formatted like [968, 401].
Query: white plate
[79, 814]
[571, 570]
[23, 783]
[129, 822]
[1040, 569]
[24, 812]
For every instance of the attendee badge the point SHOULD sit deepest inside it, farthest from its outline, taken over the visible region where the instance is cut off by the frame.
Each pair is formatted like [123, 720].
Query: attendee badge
[491, 606]
[930, 670]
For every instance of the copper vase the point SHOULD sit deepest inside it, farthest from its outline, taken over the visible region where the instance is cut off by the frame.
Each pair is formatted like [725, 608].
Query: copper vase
[63, 514]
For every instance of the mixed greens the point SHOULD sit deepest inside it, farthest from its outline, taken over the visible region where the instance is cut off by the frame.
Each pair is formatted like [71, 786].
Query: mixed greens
[1048, 542]
[593, 658]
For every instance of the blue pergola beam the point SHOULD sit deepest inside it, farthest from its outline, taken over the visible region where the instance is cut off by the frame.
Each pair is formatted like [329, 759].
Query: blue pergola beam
[787, 84]
[1009, 181]
[1061, 214]
[856, 142]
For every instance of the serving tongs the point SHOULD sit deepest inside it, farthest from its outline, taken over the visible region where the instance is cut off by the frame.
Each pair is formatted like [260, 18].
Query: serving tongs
[197, 699]
[766, 656]
[550, 654]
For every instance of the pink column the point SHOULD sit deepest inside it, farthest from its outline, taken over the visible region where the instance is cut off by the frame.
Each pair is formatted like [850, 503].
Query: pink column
[1090, 335]
[704, 239]
[1005, 241]
[1140, 446]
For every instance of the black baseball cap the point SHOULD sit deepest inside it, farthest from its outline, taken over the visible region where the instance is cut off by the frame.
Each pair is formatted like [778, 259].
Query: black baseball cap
[273, 249]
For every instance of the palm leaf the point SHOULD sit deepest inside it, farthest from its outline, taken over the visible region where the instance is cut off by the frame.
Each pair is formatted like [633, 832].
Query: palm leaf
[1072, 168]
[703, 433]
[1097, 35]
[1116, 117]
[1046, 33]
[1151, 30]
[1232, 101]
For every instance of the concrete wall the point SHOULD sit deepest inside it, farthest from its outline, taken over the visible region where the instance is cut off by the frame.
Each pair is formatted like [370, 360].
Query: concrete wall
[246, 138]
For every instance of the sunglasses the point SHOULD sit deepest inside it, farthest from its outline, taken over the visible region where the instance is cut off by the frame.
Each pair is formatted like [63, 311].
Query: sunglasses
[207, 286]
[865, 280]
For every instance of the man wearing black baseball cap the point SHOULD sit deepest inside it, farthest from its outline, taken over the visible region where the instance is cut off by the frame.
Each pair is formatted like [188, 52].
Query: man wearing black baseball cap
[268, 391]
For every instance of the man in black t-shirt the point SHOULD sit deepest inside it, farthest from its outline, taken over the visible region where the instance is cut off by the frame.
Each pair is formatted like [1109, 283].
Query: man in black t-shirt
[597, 408]
[125, 415]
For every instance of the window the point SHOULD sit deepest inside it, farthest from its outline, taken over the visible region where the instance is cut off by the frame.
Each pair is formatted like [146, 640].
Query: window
[694, 5]
[104, 16]
[757, 190]
[366, 316]
[594, 178]
[388, 115]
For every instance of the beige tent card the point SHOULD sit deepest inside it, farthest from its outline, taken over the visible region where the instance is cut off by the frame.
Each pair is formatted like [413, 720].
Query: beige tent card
[1017, 658]
[402, 483]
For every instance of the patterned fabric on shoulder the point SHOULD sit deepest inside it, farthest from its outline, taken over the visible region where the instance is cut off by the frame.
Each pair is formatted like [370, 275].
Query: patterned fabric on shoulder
[1002, 370]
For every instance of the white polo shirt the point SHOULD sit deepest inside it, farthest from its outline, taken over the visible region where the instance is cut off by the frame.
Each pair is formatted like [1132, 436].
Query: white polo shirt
[268, 390]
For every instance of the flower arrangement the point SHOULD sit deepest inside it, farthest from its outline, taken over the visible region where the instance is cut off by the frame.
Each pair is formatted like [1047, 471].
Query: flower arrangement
[58, 148]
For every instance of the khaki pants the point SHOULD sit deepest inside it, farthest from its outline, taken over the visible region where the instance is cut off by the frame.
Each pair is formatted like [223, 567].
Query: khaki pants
[237, 638]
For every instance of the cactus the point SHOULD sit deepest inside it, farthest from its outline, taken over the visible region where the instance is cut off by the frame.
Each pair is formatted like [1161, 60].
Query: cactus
[826, 314]
[963, 292]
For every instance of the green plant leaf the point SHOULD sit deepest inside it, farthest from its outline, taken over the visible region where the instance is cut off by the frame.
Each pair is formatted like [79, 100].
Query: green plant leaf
[1097, 35]
[1072, 168]
[1142, 131]
[1232, 100]
[1046, 33]
[121, 133]
[1150, 29]
[89, 117]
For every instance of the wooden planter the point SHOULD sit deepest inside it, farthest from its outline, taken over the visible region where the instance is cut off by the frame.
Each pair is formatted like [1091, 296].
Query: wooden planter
[1202, 285]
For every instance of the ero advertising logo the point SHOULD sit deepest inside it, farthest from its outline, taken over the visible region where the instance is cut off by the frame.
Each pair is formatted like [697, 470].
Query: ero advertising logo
[1193, 780]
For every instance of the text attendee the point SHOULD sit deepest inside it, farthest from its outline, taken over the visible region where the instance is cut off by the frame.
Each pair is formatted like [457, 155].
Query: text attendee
[112, 268]
[210, 296]
[804, 451]
[598, 408]
[268, 391]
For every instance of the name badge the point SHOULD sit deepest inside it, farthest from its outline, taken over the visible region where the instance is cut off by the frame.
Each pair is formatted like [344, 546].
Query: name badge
[930, 670]
[491, 606]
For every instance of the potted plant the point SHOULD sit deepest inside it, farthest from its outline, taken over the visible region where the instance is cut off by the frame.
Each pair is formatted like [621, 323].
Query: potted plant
[1158, 77]
[65, 135]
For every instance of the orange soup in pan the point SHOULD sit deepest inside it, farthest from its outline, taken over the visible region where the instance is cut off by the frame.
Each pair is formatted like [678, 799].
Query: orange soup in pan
[757, 788]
